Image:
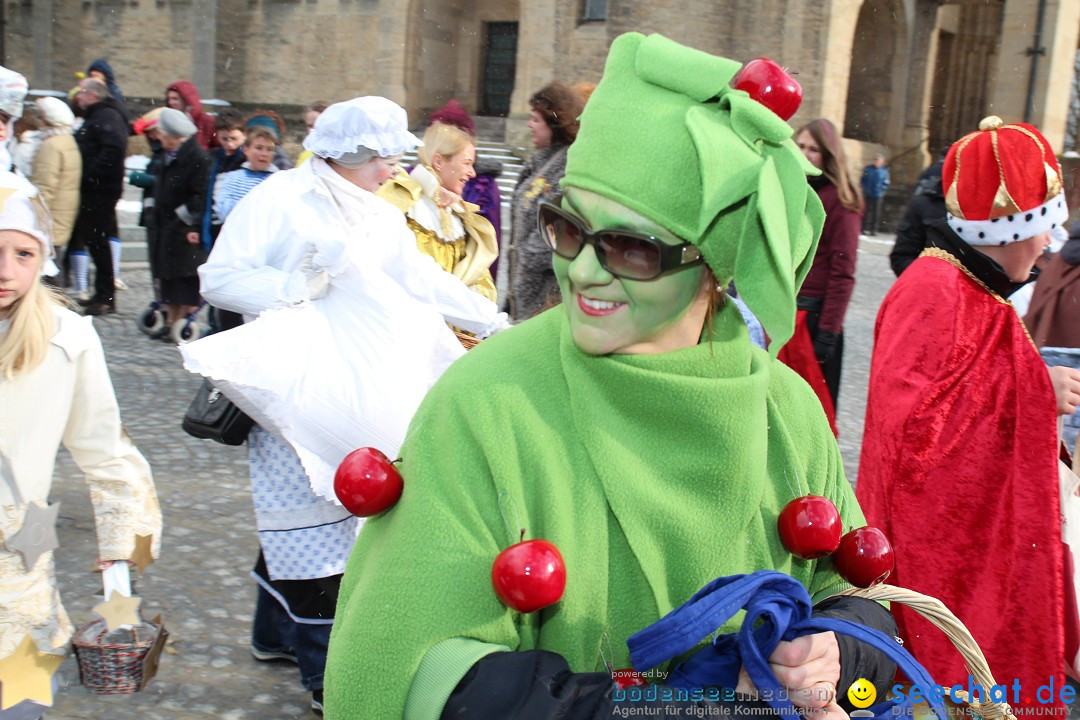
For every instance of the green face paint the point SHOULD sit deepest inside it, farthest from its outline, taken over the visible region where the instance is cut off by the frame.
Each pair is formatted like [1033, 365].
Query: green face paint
[614, 315]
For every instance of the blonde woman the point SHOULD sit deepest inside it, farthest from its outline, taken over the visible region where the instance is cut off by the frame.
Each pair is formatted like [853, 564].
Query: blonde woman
[54, 388]
[447, 228]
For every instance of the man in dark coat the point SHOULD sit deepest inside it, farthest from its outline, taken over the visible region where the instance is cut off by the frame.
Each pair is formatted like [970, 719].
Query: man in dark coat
[102, 141]
[926, 207]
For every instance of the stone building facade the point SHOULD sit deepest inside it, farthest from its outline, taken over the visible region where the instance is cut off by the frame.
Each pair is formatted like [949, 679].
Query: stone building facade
[904, 76]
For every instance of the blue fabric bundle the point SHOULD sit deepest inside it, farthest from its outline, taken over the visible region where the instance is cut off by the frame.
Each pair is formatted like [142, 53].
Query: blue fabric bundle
[778, 608]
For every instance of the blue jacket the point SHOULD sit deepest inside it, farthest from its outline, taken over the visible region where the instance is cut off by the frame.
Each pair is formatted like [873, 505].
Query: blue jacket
[874, 181]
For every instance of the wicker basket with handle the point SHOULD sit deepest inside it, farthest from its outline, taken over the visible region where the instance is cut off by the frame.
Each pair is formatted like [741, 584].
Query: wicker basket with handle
[112, 663]
[467, 341]
[935, 611]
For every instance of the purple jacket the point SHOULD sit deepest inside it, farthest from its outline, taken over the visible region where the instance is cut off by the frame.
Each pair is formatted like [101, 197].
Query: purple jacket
[484, 191]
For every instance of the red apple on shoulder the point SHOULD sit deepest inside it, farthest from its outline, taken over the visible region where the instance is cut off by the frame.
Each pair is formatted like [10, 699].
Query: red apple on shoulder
[771, 85]
[367, 483]
[865, 557]
[529, 576]
[810, 526]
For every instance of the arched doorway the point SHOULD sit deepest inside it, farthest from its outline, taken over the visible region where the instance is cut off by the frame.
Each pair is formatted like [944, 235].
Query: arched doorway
[462, 49]
[873, 86]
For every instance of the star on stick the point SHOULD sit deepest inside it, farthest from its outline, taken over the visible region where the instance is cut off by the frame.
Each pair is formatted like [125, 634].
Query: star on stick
[119, 610]
[37, 535]
[141, 556]
[26, 674]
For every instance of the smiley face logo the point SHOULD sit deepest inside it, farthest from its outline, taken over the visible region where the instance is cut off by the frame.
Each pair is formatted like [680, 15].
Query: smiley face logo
[862, 693]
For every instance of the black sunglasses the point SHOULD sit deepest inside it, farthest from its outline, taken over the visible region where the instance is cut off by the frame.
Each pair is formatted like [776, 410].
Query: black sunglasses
[623, 253]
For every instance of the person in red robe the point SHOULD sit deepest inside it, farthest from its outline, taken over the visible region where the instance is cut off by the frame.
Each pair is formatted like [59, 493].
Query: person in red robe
[959, 457]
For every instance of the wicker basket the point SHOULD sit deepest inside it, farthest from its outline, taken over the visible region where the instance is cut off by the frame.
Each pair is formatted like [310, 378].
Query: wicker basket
[935, 611]
[467, 341]
[113, 668]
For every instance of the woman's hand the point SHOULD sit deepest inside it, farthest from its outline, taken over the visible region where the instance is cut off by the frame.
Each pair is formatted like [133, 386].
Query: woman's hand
[808, 668]
[1066, 382]
[193, 238]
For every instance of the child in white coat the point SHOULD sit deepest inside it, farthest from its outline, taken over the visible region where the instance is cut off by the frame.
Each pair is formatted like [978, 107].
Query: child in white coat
[54, 388]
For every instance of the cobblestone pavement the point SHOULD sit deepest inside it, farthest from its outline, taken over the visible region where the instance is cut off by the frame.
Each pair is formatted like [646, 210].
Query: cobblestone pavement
[201, 584]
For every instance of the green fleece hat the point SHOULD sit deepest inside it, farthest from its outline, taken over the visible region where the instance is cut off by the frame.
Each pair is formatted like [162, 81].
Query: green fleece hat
[665, 135]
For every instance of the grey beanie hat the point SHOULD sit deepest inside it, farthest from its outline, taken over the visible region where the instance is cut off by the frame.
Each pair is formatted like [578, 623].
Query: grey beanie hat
[175, 123]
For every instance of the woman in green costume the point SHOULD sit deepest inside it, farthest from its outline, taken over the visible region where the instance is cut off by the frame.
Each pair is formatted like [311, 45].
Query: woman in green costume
[635, 427]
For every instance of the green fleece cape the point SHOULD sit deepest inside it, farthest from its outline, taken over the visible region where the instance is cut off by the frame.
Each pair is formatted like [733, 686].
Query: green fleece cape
[653, 474]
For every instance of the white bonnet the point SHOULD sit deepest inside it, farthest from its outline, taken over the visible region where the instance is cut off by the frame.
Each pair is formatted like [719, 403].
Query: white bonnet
[371, 122]
[54, 112]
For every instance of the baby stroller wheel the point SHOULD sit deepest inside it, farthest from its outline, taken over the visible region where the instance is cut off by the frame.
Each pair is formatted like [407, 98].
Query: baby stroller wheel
[151, 320]
[185, 330]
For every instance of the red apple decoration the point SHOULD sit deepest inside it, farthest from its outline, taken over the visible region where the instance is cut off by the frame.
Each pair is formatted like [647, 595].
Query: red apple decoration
[865, 557]
[771, 85]
[529, 576]
[810, 526]
[367, 483]
[628, 677]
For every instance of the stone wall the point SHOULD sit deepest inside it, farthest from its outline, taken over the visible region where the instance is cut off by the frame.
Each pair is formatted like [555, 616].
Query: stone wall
[866, 64]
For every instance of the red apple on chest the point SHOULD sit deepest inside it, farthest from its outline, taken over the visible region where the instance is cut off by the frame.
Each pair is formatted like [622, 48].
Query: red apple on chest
[865, 557]
[367, 483]
[810, 526]
[529, 576]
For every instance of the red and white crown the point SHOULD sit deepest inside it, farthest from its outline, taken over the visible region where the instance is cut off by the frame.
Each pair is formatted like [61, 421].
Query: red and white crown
[1003, 184]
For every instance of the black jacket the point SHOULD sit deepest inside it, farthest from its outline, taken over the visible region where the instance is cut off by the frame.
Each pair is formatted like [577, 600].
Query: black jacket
[179, 199]
[102, 141]
[926, 207]
[538, 685]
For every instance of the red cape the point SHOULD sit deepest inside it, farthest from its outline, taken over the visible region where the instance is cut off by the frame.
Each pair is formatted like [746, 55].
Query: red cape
[798, 354]
[959, 469]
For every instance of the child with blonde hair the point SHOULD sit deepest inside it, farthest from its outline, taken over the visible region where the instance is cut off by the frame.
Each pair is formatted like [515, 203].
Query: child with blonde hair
[54, 388]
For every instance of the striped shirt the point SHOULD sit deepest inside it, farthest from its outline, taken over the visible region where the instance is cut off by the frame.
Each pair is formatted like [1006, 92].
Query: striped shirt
[233, 186]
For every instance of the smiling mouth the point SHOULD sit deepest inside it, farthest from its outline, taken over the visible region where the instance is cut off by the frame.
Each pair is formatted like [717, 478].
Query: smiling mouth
[596, 308]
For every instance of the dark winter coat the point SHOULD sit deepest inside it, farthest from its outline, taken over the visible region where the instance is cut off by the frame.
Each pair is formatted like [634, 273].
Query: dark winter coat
[179, 199]
[102, 140]
[925, 208]
[120, 102]
[875, 180]
[832, 274]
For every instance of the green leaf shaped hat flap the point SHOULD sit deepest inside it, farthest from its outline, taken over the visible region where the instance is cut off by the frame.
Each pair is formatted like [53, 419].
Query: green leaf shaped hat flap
[665, 135]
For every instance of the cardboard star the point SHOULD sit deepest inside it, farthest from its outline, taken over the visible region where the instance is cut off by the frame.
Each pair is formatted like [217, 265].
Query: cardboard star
[37, 535]
[5, 193]
[141, 556]
[119, 610]
[153, 656]
[26, 674]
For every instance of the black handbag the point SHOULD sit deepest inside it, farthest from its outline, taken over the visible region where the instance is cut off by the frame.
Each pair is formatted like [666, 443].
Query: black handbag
[212, 416]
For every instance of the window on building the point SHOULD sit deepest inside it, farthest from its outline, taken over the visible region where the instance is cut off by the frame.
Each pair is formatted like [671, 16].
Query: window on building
[594, 10]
